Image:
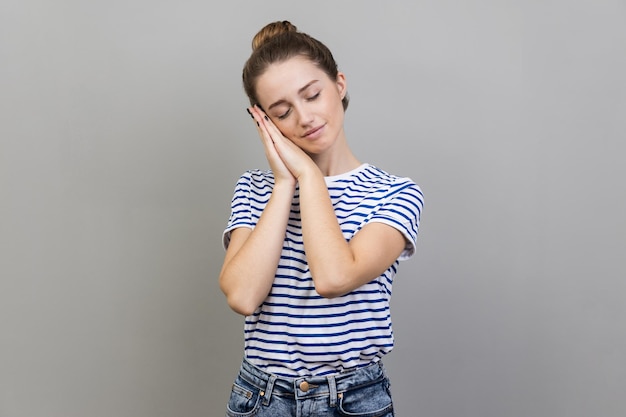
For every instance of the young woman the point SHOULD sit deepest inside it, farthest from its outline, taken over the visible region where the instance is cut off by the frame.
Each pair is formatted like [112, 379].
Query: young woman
[313, 244]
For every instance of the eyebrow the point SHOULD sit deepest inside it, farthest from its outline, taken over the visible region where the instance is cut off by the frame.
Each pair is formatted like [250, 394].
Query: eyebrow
[282, 101]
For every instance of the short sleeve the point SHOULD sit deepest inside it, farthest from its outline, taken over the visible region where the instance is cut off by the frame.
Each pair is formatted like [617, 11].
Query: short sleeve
[402, 210]
[240, 210]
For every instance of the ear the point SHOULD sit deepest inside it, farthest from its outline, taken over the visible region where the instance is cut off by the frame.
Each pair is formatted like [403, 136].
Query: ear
[342, 86]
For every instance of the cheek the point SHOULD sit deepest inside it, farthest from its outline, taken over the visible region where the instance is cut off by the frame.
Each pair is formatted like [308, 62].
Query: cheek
[284, 128]
[334, 104]
[336, 112]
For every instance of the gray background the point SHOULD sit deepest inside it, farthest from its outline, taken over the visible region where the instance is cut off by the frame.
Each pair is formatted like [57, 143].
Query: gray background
[123, 131]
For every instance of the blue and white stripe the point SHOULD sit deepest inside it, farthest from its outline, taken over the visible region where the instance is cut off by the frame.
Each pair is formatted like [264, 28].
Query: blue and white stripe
[296, 332]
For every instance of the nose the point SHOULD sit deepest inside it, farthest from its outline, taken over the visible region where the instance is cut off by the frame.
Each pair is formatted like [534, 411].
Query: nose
[304, 115]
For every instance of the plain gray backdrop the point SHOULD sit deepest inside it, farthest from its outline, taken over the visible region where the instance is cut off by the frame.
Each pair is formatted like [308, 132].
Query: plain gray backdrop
[123, 130]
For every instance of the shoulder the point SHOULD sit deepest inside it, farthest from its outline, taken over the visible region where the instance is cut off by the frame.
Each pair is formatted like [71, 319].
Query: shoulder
[256, 178]
[394, 182]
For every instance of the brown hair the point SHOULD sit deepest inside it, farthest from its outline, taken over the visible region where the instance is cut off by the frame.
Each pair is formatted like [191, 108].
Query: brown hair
[278, 42]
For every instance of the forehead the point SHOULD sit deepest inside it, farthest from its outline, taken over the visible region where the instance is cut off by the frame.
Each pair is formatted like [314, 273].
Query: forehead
[284, 79]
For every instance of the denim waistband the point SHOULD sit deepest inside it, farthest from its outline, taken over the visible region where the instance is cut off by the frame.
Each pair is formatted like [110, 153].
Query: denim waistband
[314, 386]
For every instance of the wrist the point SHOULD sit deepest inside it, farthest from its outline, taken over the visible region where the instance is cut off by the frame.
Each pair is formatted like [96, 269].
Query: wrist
[284, 185]
[309, 172]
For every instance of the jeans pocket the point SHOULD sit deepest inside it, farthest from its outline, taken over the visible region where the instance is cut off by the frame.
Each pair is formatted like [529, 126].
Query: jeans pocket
[372, 400]
[244, 400]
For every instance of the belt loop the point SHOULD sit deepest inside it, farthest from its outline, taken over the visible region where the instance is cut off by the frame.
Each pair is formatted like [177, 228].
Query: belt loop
[268, 390]
[332, 388]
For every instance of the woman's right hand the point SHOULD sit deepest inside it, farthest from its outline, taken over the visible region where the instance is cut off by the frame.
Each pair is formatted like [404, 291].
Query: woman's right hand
[278, 167]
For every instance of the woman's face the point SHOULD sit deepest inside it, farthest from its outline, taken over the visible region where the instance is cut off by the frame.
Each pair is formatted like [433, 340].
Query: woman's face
[304, 103]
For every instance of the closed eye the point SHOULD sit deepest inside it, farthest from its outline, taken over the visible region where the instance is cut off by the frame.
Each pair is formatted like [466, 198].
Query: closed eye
[310, 98]
[284, 115]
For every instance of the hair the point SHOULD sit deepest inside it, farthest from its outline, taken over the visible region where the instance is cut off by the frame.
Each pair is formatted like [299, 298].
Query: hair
[279, 41]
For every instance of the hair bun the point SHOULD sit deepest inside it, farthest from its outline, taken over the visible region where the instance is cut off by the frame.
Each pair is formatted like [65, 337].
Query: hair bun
[270, 31]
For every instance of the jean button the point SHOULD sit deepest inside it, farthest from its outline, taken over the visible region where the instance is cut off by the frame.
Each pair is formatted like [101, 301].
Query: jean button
[304, 386]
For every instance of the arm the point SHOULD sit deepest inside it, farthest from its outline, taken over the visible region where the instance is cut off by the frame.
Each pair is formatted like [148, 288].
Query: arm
[252, 256]
[338, 266]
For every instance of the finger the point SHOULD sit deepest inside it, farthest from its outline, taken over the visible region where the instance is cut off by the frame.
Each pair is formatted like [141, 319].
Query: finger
[258, 118]
[264, 119]
[277, 144]
[263, 127]
[253, 114]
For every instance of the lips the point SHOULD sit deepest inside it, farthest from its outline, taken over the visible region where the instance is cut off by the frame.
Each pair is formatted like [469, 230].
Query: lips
[312, 133]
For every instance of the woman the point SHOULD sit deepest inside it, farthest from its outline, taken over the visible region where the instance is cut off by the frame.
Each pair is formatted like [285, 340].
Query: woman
[312, 245]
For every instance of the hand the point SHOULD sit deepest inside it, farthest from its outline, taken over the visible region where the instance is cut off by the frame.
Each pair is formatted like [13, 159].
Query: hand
[281, 152]
[278, 167]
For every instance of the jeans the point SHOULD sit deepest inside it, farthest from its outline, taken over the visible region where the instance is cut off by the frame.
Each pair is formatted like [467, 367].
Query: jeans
[363, 392]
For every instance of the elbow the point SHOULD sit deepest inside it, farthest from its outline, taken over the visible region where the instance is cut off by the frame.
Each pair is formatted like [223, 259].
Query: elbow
[243, 310]
[330, 288]
[238, 302]
[330, 293]
[241, 306]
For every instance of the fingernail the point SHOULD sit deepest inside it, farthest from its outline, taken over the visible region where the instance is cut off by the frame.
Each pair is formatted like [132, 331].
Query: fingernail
[249, 112]
[266, 118]
[257, 123]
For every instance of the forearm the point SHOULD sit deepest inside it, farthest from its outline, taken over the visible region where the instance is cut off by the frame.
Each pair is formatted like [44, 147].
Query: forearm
[248, 274]
[329, 256]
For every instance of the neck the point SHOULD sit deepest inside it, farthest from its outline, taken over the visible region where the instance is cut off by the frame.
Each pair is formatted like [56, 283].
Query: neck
[336, 161]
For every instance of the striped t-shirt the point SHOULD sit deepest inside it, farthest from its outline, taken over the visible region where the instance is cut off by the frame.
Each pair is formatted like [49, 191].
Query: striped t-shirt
[296, 332]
